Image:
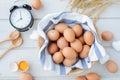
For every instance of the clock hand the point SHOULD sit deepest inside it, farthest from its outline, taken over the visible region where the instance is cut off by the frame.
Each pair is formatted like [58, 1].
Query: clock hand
[20, 16]
[18, 20]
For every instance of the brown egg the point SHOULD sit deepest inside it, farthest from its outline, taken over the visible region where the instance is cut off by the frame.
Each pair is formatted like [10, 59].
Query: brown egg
[76, 45]
[61, 42]
[69, 53]
[36, 4]
[69, 35]
[81, 78]
[111, 66]
[41, 41]
[81, 39]
[107, 35]
[78, 30]
[84, 53]
[25, 76]
[88, 37]
[69, 62]
[92, 76]
[52, 48]
[60, 27]
[53, 35]
[58, 57]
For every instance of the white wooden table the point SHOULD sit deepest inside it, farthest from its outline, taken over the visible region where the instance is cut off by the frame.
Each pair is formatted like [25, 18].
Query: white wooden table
[109, 20]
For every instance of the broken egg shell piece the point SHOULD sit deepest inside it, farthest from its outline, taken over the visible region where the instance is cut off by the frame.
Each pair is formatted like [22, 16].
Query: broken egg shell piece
[34, 35]
[13, 67]
[116, 45]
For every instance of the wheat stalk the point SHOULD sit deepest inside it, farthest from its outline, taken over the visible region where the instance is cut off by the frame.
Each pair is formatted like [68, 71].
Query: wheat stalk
[96, 17]
[93, 10]
[74, 3]
[95, 6]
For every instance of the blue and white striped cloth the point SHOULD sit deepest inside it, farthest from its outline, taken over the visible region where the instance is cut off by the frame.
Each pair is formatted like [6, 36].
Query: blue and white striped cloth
[96, 52]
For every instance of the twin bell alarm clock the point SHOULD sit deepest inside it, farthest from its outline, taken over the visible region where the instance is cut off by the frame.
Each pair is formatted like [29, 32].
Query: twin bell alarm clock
[21, 18]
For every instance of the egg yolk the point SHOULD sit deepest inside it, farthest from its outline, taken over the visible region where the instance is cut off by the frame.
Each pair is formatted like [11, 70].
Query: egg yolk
[23, 65]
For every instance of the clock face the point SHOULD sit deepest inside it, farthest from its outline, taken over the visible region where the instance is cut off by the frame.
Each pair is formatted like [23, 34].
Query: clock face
[20, 18]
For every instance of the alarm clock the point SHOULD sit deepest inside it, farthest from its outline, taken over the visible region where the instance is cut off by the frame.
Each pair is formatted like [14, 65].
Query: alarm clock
[21, 18]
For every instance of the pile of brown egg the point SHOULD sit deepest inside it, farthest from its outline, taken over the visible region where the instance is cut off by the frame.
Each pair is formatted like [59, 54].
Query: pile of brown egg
[69, 43]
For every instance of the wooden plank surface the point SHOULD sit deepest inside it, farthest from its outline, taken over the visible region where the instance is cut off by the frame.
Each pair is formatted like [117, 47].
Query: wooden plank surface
[109, 20]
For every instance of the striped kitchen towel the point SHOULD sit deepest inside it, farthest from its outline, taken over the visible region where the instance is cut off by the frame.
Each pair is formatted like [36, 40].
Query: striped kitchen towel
[96, 52]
